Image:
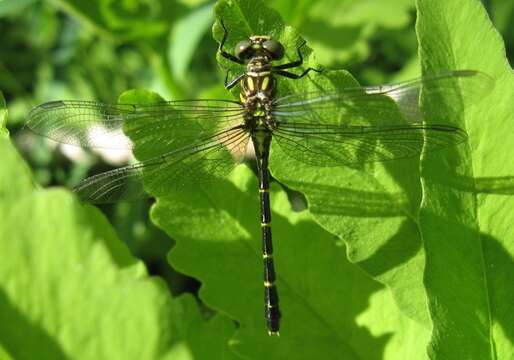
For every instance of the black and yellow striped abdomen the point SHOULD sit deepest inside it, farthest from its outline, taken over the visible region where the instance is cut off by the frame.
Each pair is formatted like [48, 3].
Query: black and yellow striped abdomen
[261, 141]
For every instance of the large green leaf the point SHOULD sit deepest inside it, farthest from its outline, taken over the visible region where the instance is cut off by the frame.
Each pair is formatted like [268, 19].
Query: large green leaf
[466, 217]
[15, 178]
[70, 289]
[324, 297]
[375, 208]
[372, 207]
[60, 280]
[384, 230]
[185, 38]
[342, 31]
[326, 302]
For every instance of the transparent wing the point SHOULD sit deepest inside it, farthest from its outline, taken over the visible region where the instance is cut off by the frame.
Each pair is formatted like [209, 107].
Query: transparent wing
[178, 141]
[325, 145]
[377, 123]
[361, 105]
[206, 158]
[94, 124]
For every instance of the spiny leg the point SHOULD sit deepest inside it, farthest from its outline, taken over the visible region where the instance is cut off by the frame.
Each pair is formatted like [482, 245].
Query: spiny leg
[230, 84]
[291, 75]
[293, 63]
[279, 69]
[223, 53]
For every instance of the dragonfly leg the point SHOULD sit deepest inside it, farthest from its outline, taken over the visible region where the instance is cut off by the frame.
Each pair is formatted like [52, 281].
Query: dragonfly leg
[224, 53]
[291, 75]
[294, 63]
[230, 84]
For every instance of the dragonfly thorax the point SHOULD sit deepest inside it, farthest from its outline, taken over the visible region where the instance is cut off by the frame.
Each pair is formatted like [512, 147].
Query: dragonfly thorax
[259, 65]
[258, 81]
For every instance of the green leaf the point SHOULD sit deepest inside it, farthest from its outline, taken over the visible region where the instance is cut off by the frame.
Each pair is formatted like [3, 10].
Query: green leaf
[185, 38]
[372, 207]
[343, 30]
[70, 289]
[374, 211]
[139, 96]
[325, 300]
[93, 299]
[466, 217]
[73, 270]
[195, 338]
[218, 241]
[388, 13]
[4, 355]
[3, 116]
[15, 176]
[128, 19]
[13, 7]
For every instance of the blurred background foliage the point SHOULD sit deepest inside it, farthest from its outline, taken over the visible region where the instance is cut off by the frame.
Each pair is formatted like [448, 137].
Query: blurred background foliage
[96, 49]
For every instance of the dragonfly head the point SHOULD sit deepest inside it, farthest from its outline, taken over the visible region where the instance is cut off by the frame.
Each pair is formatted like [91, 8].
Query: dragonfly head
[259, 45]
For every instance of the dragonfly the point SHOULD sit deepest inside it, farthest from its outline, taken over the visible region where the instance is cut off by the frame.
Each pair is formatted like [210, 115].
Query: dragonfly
[192, 141]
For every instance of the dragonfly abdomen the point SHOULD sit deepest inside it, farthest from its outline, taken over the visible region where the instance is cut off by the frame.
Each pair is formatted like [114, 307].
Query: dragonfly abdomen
[261, 141]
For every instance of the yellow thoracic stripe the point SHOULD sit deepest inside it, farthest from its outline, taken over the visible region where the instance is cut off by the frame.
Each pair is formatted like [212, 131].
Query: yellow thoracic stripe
[249, 82]
[265, 83]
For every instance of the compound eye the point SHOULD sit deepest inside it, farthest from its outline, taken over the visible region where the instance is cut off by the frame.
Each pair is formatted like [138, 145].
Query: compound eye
[274, 48]
[243, 49]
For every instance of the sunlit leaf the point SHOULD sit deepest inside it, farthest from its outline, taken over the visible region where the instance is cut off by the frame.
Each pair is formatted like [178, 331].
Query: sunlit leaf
[465, 225]
[71, 289]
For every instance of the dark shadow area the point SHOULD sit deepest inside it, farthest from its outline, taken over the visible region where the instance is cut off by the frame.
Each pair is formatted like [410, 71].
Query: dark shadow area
[502, 185]
[23, 336]
[500, 293]
[148, 243]
[398, 250]
[469, 277]
[352, 202]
